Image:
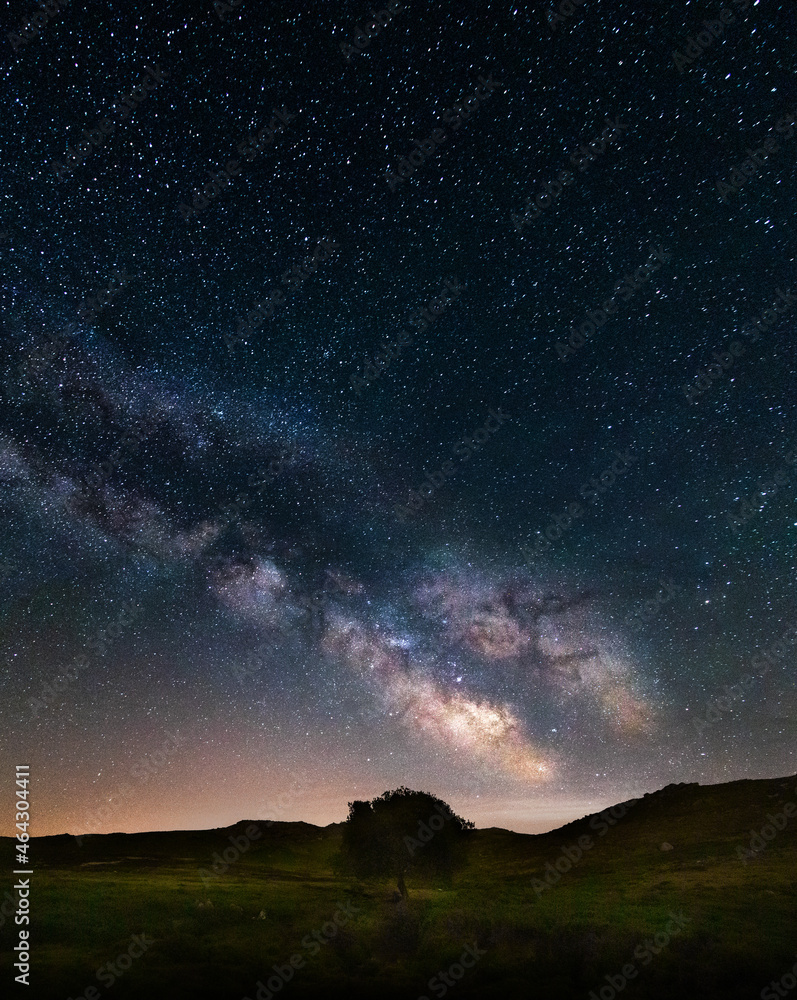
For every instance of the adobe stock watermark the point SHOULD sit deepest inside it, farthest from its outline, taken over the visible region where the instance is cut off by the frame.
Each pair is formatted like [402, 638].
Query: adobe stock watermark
[587, 153]
[564, 10]
[149, 80]
[382, 360]
[716, 708]
[423, 318]
[724, 361]
[31, 28]
[222, 9]
[768, 832]
[42, 357]
[626, 287]
[427, 830]
[592, 491]
[294, 277]
[463, 450]
[772, 655]
[7, 568]
[265, 476]
[755, 503]
[782, 987]
[649, 610]
[582, 157]
[769, 317]
[696, 45]
[312, 943]
[644, 953]
[109, 972]
[445, 980]
[301, 784]
[362, 36]
[131, 442]
[252, 665]
[90, 308]
[573, 854]
[313, 604]
[239, 845]
[142, 771]
[756, 159]
[548, 195]
[221, 178]
[777, 651]
[461, 112]
[51, 690]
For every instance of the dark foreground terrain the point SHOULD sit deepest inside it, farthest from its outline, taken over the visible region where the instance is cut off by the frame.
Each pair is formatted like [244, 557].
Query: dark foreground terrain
[150, 905]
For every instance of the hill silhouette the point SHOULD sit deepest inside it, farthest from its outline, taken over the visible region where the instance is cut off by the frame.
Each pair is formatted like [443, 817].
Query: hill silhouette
[713, 869]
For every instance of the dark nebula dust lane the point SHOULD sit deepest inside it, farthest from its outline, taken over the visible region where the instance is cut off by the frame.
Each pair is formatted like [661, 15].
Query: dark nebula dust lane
[412, 412]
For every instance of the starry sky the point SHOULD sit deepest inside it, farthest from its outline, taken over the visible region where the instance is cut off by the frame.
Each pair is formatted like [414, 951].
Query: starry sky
[334, 474]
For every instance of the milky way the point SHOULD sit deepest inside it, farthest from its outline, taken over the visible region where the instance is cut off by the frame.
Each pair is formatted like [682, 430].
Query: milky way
[344, 566]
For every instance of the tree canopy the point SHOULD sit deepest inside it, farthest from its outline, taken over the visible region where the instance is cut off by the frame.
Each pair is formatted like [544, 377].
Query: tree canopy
[402, 831]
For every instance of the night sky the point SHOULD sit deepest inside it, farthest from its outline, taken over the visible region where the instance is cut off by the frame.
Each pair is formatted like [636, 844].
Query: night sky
[492, 540]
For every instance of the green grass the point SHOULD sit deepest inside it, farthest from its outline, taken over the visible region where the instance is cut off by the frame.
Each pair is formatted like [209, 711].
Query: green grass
[740, 934]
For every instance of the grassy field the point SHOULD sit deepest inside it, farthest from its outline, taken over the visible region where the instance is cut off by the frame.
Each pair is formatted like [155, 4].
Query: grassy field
[217, 937]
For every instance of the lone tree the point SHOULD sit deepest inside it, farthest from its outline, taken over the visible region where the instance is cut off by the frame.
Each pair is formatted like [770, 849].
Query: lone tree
[403, 831]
